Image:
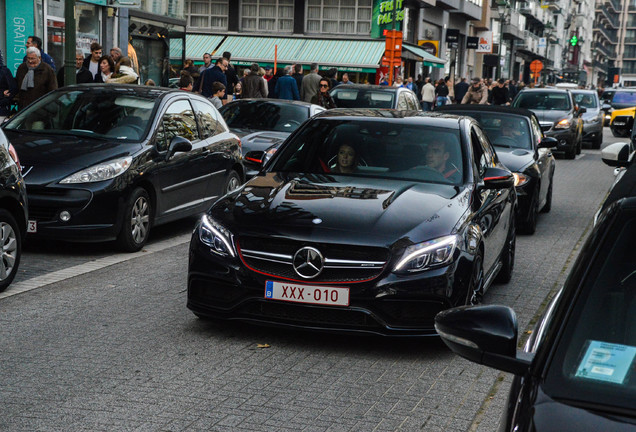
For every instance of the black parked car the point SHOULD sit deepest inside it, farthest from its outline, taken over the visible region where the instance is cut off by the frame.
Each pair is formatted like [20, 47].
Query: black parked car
[523, 149]
[577, 371]
[104, 162]
[363, 221]
[13, 212]
[558, 114]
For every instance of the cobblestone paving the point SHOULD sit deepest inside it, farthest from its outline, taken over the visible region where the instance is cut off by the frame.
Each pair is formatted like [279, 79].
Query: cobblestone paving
[116, 349]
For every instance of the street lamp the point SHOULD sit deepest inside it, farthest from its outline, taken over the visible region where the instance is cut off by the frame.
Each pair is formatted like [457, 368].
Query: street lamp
[503, 8]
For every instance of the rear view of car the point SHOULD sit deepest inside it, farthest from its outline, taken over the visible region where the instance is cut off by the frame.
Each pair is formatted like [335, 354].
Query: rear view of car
[366, 96]
[593, 118]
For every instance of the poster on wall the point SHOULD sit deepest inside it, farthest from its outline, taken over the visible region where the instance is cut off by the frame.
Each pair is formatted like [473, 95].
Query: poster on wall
[385, 12]
[485, 42]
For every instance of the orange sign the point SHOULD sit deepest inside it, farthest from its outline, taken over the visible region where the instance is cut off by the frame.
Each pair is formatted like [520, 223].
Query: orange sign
[536, 66]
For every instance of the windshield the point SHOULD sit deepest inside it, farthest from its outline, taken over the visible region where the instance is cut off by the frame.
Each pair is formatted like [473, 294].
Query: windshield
[585, 100]
[264, 116]
[375, 149]
[627, 98]
[504, 130]
[362, 98]
[594, 361]
[543, 101]
[120, 115]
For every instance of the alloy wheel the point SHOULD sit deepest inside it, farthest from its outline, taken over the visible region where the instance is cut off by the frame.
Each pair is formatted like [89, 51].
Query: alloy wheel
[140, 219]
[9, 250]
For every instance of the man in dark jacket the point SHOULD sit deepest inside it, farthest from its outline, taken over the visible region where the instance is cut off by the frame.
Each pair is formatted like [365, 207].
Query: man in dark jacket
[8, 89]
[230, 74]
[212, 75]
[298, 75]
[92, 61]
[286, 87]
[460, 90]
[35, 78]
[254, 86]
[82, 75]
[500, 95]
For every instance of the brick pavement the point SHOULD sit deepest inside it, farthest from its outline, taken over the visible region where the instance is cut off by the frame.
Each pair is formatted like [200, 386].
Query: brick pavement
[116, 349]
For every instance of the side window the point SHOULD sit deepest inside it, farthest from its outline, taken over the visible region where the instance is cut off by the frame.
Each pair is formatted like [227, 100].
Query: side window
[178, 120]
[478, 153]
[207, 116]
[411, 102]
[489, 152]
[536, 130]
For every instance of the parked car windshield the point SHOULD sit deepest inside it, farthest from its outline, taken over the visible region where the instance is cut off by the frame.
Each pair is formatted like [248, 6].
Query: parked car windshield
[388, 150]
[362, 98]
[109, 114]
[543, 101]
[264, 116]
[504, 130]
[624, 98]
[585, 100]
[595, 360]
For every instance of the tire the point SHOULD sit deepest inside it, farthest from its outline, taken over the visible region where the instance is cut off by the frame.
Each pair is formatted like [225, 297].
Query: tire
[475, 291]
[11, 242]
[570, 153]
[137, 220]
[596, 144]
[508, 257]
[548, 199]
[529, 225]
[232, 182]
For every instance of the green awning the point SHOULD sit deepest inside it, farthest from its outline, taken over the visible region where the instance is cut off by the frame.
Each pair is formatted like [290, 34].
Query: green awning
[196, 46]
[342, 53]
[427, 58]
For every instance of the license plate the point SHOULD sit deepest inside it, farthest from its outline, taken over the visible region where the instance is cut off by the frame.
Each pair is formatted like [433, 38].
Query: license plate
[619, 123]
[32, 226]
[311, 294]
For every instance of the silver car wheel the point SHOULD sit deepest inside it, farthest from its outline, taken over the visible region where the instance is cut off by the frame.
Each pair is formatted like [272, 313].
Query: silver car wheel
[9, 250]
[140, 219]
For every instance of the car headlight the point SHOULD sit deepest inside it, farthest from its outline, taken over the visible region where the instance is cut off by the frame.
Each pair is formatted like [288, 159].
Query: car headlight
[104, 171]
[520, 179]
[426, 255]
[563, 124]
[216, 236]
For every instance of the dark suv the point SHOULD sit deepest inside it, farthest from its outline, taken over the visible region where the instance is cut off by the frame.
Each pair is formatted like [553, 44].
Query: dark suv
[558, 114]
[13, 212]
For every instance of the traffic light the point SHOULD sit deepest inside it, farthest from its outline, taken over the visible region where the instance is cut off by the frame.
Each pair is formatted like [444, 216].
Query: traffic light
[574, 40]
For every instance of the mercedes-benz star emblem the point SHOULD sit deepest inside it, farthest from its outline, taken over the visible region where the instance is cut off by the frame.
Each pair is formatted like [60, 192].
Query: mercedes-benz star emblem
[308, 262]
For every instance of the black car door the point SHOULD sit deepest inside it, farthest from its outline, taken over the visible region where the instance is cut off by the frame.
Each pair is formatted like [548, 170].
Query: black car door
[494, 210]
[182, 177]
[544, 156]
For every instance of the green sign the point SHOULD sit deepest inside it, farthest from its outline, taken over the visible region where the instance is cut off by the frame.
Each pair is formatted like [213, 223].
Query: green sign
[19, 23]
[387, 15]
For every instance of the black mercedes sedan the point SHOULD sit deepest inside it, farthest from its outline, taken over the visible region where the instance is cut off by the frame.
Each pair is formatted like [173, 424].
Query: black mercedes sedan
[106, 162]
[577, 372]
[13, 212]
[523, 149]
[365, 221]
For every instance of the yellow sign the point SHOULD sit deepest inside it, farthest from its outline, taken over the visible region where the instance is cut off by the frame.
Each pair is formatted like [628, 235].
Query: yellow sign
[430, 46]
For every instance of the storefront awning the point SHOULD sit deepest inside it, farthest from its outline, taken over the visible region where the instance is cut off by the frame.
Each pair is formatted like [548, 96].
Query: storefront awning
[427, 58]
[196, 46]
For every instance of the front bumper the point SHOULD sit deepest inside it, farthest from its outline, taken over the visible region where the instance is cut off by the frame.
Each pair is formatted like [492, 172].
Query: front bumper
[94, 209]
[591, 131]
[566, 138]
[389, 305]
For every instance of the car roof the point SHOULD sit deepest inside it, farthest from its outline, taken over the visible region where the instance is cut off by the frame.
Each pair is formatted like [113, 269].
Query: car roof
[141, 90]
[424, 118]
[582, 91]
[485, 108]
[273, 101]
[546, 90]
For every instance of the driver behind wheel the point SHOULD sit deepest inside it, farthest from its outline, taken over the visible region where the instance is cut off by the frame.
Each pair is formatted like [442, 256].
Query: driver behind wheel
[509, 129]
[347, 159]
[437, 157]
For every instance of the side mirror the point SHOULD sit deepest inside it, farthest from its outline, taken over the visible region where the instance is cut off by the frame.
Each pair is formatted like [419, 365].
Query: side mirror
[617, 154]
[498, 178]
[178, 144]
[483, 334]
[548, 142]
[582, 110]
[606, 107]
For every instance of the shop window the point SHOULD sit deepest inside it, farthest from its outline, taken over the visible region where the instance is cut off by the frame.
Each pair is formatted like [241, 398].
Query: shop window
[207, 14]
[267, 15]
[339, 16]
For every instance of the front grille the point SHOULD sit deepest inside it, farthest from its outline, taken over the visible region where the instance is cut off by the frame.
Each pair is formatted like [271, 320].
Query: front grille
[342, 263]
[319, 316]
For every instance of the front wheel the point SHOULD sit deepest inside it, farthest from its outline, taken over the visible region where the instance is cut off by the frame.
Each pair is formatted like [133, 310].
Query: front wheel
[508, 256]
[529, 225]
[232, 182]
[137, 221]
[596, 144]
[11, 243]
[476, 283]
[548, 199]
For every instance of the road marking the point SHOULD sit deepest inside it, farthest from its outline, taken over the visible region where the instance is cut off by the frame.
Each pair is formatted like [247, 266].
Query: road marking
[581, 156]
[98, 264]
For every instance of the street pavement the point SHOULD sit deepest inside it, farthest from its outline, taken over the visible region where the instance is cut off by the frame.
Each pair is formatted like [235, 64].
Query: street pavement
[91, 339]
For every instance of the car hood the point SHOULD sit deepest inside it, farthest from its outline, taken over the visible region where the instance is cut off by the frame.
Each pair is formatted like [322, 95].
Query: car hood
[550, 115]
[552, 416]
[48, 158]
[515, 159]
[342, 209]
[252, 140]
